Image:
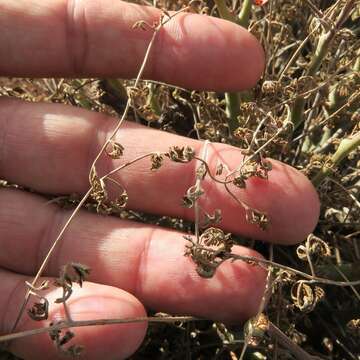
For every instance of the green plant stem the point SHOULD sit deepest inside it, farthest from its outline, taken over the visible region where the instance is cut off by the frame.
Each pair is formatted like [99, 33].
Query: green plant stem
[117, 88]
[320, 53]
[232, 99]
[153, 101]
[346, 146]
[318, 57]
[244, 16]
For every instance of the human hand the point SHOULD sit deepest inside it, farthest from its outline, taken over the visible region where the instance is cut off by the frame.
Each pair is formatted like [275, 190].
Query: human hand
[50, 148]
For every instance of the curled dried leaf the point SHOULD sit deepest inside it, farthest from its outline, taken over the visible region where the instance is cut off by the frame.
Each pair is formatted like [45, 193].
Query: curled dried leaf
[69, 273]
[216, 237]
[270, 87]
[305, 296]
[192, 194]
[255, 329]
[210, 220]
[60, 341]
[40, 310]
[120, 202]
[314, 247]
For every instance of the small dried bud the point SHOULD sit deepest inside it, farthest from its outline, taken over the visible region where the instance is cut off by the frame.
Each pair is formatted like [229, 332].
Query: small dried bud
[257, 217]
[201, 172]
[180, 154]
[219, 169]
[143, 25]
[117, 150]
[212, 219]
[239, 182]
[156, 161]
[354, 326]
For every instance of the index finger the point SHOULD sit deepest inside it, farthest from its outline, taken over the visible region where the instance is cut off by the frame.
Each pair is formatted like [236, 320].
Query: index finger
[95, 38]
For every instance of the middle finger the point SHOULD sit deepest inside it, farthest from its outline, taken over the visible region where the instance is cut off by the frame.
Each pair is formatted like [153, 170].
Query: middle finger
[50, 148]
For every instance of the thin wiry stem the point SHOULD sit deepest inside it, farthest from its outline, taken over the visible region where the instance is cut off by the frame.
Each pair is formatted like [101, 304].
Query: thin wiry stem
[267, 263]
[197, 186]
[47, 258]
[82, 323]
[264, 299]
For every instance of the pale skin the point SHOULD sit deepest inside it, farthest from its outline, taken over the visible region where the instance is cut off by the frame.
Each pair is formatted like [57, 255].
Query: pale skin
[49, 148]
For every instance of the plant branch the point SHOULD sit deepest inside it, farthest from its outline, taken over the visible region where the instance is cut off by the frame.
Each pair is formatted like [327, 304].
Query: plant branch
[318, 57]
[81, 323]
[244, 16]
[232, 99]
[345, 147]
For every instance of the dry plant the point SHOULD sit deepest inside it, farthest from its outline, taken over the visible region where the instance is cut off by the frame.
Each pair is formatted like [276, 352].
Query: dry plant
[305, 112]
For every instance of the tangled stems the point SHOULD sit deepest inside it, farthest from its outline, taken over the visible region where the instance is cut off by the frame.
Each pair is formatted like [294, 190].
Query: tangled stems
[318, 57]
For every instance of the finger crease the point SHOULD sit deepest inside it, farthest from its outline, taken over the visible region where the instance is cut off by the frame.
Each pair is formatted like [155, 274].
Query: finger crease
[76, 35]
[141, 262]
[53, 225]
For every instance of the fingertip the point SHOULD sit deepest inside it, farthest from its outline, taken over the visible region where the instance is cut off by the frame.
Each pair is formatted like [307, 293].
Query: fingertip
[305, 210]
[92, 302]
[203, 52]
[291, 201]
[247, 282]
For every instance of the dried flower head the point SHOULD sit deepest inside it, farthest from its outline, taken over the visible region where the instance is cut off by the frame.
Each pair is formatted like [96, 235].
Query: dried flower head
[210, 251]
[257, 217]
[157, 159]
